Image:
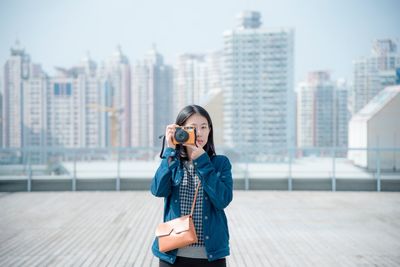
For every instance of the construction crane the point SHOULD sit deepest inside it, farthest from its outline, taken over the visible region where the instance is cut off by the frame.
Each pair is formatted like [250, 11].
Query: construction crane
[113, 113]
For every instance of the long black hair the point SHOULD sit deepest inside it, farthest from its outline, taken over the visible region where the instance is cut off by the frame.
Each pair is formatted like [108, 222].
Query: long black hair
[183, 116]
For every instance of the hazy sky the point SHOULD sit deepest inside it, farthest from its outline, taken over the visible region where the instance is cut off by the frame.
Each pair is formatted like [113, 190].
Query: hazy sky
[329, 34]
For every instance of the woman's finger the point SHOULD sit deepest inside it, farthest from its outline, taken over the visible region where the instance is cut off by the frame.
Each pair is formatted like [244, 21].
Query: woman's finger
[191, 146]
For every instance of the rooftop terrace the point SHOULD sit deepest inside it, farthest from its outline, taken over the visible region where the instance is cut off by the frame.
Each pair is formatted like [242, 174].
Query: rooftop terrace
[267, 228]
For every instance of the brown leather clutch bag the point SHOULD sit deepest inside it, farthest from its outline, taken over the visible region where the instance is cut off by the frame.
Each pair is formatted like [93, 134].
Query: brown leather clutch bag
[179, 232]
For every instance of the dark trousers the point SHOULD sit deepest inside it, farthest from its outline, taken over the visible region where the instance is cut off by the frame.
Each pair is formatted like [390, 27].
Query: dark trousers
[191, 262]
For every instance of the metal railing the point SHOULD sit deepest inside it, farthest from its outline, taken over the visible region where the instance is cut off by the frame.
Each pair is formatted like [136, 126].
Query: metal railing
[273, 163]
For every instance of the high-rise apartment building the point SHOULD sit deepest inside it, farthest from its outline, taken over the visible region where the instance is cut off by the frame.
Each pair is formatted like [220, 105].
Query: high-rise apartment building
[117, 83]
[34, 107]
[75, 110]
[341, 114]
[258, 88]
[152, 95]
[214, 63]
[372, 74]
[322, 114]
[24, 111]
[195, 76]
[16, 71]
[82, 106]
[190, 80]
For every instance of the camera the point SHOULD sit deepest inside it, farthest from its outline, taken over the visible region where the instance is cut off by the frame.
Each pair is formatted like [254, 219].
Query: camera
[184, 135]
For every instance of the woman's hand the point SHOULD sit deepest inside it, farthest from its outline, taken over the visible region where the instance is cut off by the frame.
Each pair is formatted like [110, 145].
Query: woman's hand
[169, 134]
[194, 151]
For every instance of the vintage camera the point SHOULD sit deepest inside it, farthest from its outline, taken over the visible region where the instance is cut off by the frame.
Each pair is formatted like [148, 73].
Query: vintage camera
[184, 135]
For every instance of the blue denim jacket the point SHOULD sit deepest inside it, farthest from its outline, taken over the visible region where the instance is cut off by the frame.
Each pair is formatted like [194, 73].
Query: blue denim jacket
[216, 178]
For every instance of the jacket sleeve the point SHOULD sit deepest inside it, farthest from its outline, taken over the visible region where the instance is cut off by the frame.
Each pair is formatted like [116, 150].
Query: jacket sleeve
[218, 186]
[161, 182]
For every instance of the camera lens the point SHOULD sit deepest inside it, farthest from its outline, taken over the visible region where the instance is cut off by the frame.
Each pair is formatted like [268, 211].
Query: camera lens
[181, 136]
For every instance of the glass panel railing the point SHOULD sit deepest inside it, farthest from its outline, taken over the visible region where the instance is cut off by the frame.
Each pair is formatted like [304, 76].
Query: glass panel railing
[331, 168]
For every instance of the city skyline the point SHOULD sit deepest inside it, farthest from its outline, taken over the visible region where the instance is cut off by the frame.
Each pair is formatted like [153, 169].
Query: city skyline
[123, 103]
[111, 84]
[324, 32]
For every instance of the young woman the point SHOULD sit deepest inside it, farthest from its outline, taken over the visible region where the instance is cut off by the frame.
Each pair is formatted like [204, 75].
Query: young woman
[182, 168]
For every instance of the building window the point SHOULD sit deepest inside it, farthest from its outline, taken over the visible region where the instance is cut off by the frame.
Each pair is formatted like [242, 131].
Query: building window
[62, 89]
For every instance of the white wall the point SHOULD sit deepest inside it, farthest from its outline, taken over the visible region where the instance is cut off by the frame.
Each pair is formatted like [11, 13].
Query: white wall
[358, 139]
[384, 131]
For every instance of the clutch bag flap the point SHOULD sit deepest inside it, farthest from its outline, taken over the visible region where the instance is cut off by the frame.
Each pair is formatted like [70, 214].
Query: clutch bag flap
[177, 226]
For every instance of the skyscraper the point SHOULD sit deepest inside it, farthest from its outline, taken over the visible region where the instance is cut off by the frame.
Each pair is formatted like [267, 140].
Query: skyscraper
[372, 74]
[258, 87]
[118, 83]
[152, 96]
[34, 107]
[16, 71]
[214, 63]
[322, 114]
[74, 107]
[195, 76]
[190, 80]
[24, 104]
[341, 114]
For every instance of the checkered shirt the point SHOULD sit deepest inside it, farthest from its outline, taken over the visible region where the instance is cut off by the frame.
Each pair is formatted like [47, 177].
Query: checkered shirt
[186, 193]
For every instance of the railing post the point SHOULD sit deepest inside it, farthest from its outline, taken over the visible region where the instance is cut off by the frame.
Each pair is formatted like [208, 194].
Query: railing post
[290, 181]
[333, 170]
[74, 173]
[378, 170]
[29, 172]
[118, 182]
[244, 158]
[246, 174]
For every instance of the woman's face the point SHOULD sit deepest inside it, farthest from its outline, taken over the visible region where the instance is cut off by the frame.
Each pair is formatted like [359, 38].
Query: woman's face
[202, 128]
